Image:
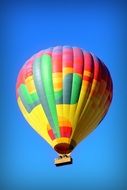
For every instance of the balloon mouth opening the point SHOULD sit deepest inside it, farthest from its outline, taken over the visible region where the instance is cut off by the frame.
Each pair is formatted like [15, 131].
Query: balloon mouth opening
[64, 148]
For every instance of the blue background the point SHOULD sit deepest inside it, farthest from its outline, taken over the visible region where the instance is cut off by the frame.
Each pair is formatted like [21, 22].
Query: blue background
[26, 159]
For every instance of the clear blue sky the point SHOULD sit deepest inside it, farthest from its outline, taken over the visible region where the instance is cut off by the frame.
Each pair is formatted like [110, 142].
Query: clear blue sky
[26, 159]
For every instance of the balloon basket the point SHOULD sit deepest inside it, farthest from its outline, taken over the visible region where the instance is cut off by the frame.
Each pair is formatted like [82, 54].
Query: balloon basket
[63, 160]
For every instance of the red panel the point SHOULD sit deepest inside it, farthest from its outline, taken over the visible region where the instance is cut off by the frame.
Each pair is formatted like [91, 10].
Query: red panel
[29, 72]
[78, 61]
[51, 134]
[20, 80]
[65, 131]
[20, 77]
[29, 67]
[97, 69]
[88, 62]
[78, 68]
[56, 62]
[67, 58]
[67, 62]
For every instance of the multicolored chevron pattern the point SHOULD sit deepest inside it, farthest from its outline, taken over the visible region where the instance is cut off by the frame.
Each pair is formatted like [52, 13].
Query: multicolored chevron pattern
[64, 92]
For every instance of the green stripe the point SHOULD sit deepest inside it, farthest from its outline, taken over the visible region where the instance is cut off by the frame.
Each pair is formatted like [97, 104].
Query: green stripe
[41, 91]
[67, 85]
[46, 74]
[59, 97]
[76, 86]
[34, 97]
[28, 100]
[58, 94]
[25, 94]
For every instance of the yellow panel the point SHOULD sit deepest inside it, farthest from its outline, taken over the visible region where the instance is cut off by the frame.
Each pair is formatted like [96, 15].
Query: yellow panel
[30, 84]
[63, 111]
[84, 125]
[57, 79]
[90, 122]
[37, 119]
[57, 75]
[94, 102]
[86, 112]
[67, 69]
[68, 115]
[82, 99]
[59, 108]
[91, 126]
[72, 115]
[66, 109]
[95, 86]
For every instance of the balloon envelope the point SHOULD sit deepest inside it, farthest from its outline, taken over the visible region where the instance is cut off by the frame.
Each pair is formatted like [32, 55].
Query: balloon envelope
[64, 92]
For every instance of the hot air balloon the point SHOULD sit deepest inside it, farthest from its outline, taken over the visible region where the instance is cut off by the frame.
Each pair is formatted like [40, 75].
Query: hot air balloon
[64, 93]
